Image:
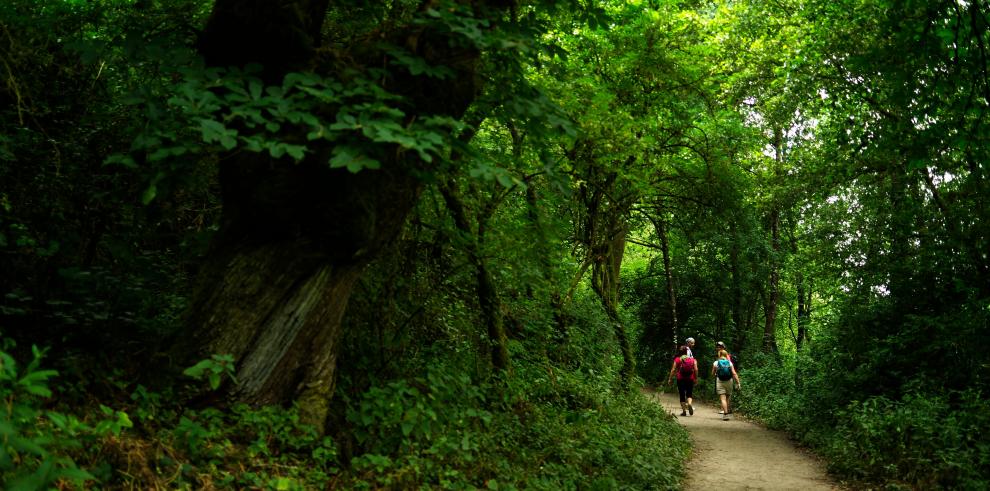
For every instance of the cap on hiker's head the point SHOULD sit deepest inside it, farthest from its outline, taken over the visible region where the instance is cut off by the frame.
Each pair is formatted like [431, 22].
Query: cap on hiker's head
[720, 344]
[689, 340]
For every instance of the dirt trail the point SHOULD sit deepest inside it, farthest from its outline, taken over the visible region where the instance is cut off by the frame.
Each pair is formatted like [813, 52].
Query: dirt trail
[737, 454]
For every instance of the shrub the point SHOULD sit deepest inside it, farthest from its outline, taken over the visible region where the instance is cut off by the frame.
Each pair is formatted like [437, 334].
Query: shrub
[927, 440]
[921, 440]
[37, 447]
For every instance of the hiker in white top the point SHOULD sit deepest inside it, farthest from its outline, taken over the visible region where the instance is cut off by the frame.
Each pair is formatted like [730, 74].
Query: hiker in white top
[689, 342]
[724, 374]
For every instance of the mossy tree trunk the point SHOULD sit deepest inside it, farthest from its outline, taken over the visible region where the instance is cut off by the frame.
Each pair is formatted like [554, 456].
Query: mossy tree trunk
[604, 227]
[488, 299]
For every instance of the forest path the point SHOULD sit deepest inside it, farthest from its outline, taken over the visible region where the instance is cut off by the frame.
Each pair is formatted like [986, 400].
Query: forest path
[738, 454]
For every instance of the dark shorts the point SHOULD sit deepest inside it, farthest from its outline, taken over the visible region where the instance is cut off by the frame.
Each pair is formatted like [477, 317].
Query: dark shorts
[685, 388]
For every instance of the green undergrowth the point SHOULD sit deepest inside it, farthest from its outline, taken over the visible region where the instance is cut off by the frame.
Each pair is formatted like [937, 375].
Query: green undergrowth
[434, 430]
[443, 431]
[926, 438]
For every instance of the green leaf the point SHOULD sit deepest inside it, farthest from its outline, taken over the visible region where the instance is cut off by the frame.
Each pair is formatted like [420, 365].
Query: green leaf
[196, 371]
[124, 420]
[58, 419]
[353, 160]
[74, 474]
[149, 194]
[38, 390]
[121, 160]
[211, 130]
[35, 382]
[297, 152]
[227, 142]
[254, 87]
[296, 78]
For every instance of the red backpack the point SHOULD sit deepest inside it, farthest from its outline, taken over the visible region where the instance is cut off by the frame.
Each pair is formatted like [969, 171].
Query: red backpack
[686, 369]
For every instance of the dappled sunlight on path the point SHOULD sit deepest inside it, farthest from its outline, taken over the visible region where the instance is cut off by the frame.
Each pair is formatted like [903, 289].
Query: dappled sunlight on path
[738, 454]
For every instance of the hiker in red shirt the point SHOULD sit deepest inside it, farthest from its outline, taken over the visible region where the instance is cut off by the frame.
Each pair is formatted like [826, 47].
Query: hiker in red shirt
[686, 369]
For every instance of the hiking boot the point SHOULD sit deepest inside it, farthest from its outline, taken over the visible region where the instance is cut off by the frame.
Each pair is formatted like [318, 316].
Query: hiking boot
[691, 409]
[683, 413]
[725, 417]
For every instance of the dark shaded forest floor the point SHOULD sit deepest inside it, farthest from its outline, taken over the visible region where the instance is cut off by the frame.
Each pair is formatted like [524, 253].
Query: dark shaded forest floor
[738, 454]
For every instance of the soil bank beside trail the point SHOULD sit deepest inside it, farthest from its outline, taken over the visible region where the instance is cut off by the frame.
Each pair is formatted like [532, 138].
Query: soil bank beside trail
[738, 454]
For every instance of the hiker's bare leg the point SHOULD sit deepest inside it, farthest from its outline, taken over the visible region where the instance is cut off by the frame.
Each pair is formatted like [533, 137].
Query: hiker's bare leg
[725, 403]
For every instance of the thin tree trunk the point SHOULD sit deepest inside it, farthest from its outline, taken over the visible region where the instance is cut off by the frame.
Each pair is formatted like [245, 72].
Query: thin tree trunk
[661, 226]
[803, 300]
[491, 305]
[773, 288]
[737, 314]
[557, 301]
[803, 312]
[773, 284]
[898, 231]
[576, 280]
[605, 282]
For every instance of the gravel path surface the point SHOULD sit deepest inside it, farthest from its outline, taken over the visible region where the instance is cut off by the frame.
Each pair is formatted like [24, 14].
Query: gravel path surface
[738, 454]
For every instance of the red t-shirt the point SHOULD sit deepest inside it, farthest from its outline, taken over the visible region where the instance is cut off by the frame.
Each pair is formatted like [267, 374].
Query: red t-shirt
[677, 368]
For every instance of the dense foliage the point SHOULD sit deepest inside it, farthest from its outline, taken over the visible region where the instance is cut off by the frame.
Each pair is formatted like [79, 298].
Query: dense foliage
[442, 244]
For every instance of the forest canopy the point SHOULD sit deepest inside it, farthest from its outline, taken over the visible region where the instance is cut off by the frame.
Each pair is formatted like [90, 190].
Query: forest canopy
[451, 244]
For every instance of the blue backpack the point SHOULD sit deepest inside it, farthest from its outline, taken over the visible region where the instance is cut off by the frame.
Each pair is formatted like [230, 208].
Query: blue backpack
[724, 370]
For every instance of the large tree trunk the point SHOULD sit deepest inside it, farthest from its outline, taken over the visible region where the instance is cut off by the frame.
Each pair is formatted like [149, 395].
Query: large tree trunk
[295, 236]
[276, 283]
